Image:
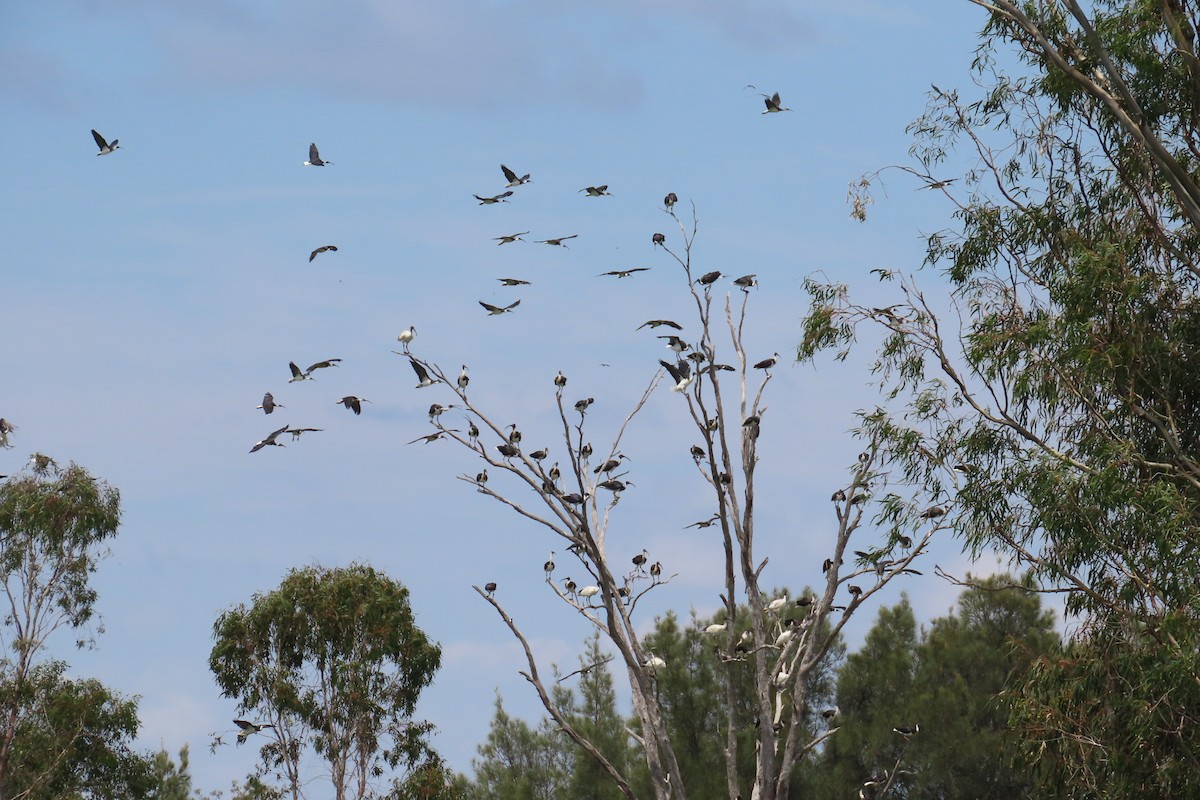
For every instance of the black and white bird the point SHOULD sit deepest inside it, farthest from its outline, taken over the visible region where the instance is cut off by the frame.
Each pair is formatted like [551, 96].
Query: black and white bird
[329, 362]
[560, 380]
[249, 728]
[773, 103]
[513, 282]
[6, 428]
[670, 200]
[708, 278]
[549, 565]
[295, 432]
[656, 323]
[559, 241]
[582, 405]
[490, 588]
[268, 403]
[306, 375]
[353, 403]
[510, 238]
[597, 191]
[512, 178]
[268, 440]
[496, 310]
[681, 373]
[675, 343]
[463, 378]
[314, 157]
[297, 373]
[499, 198]
[610, 465]
[659, 239]
[105, 147]
[907, 730]
[422, 373]
[767, 363]
[405, 338]
[746, 282]
[623, 273]
[329, 248]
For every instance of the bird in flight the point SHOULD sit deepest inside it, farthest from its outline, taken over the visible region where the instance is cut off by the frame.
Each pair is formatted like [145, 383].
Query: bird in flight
[681, 373]
[512, 237]
[597, 191]
[326, 248]
[261, 443]
[268, 404]
[306, 375]
[623, 273]
[654, 323]
[513, 282]
[105, 147]
[773, 103]
[353, 403]
[500, 198]
[559, 241]
[494, 310]
[295, 432]
[314, 158]
[249, 728]
[512, 178]
[422, 373]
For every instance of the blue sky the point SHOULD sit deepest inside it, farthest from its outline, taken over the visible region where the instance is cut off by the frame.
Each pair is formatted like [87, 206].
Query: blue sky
[153, 295]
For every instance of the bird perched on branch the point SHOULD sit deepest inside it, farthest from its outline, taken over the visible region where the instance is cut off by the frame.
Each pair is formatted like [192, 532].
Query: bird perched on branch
[767, 363]
[670, 200]
[659, 239]
[681, 373]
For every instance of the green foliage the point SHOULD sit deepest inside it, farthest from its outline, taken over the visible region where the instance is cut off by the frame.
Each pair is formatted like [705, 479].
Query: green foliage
[518, 762]
[334, 659]
[171, 781]
[595, 716]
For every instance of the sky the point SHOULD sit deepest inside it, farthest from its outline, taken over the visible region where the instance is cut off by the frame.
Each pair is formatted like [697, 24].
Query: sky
[153, 295]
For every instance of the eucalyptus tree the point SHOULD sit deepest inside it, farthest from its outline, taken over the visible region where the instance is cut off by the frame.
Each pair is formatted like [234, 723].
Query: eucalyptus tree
[574, 503]
[1050, 400]
[333, 661]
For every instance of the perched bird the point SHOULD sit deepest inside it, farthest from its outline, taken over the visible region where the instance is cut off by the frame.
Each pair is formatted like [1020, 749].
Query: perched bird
[715, 628]
[509, 239]
[582, 405]
[405, 338]
[490, 588]
[838, 496]
[422, 373]
[500, 198]
[268, 404]
[436, 410]
[697, 453]
[105, 147]
[574, 498]
[670, 200]
[331, 248]
[656, 569]
[495, 310]
[597, 191]
[708, 278]
[656, 323]
[659, 238]
[654, 663]
[314, 158]
[268, 440]
[295, 432]
[539, 455]
[569, 585]
[508, 450]
[512, 178]
[548, 567]
[513, 282]
[353, 403]
[746, 282]
[681, 373]
[610, 465]
[777, 604]
[514, 435]
[933, 512]
[623, 273]
[830, 713]
[589, 591]
[559, 241]
[855, 591]
[585, 452]
[481, 477]
[472, 432]
[907, 730]
[773, 104]
[767, 363]
[639, 561]
[675, 343]
[249, 728]
[904, 542]
[554, 473]
[463, 378]
[560, 380]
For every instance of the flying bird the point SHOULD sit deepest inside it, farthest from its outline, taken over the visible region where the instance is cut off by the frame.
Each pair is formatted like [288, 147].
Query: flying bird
[353, 403]
[330, 248]
[510, 238]
[654, 323]
[422, 374]
[249, 728]
[681, 373]
[705, 523]
[268, 440]
[512, 178]
[295, 432]
[500, 198]
[297, 373]
[513, 282]
[314, 158]
[432, 437]
[773, 104]
[329, 362]
[623, 273]
[670, 200]
[559, 241]
[494, 310]
[675, 343]
[105, 147]
[597, 191]
[268, 404]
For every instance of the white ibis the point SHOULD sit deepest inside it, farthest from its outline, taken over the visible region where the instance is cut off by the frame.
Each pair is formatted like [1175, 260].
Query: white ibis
[658, 323]
[268, 440]
[777, 604]
[767, 363]
[670, 200]
[654, 664]
[328, 248]
[623, 273]
[559, 241]
[268, 404]
[422, 373]
[491, 201]
[105, 147]
[681, 373]
[512, 178]
[715, 628]
[406, 336]
[773, 104]
[497, 310]
[597, 191]
[589, 591]
[314, 157]
[353, 403]
[249, 728]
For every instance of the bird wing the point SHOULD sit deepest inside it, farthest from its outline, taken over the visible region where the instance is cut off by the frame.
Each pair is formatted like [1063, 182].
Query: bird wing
[296, 373]
[103, 145]
[511, 307]
[506, 194]
[674, 370]
[313, 155]
[329, 362]
[244, 725]
[508, 173]
[602, 189]
[775, 100]
[491, 308]
[422, 374]
[271, 438]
